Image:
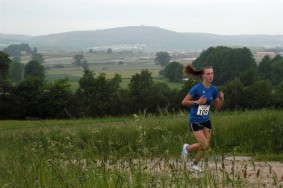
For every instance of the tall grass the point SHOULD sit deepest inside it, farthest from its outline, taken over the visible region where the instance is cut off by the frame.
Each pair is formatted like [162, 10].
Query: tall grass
[138, 151]
[250, 132]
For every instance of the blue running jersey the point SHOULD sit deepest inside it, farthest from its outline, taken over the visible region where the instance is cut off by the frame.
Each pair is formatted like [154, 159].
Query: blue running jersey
[200, 113]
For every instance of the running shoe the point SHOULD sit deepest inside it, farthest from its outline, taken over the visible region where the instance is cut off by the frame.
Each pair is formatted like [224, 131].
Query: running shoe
[195, 168]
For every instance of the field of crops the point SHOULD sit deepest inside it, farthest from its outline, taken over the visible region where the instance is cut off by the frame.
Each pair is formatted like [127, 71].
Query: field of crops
[60, 65]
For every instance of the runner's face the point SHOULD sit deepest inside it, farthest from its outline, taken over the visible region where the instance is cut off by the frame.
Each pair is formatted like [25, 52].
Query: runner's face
[208, 75]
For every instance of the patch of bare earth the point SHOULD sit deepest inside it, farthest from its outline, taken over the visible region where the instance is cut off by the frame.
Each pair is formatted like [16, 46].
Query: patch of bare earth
[255, 174]
[235, 169]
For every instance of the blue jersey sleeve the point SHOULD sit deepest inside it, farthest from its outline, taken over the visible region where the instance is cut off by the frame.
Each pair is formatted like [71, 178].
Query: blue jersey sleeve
[192, 92]
[215, 93]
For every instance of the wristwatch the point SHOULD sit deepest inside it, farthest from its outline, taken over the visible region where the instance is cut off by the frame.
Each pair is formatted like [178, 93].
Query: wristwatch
[195, 103]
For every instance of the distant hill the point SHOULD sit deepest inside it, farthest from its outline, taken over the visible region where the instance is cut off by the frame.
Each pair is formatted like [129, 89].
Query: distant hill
[146, 37]
[6, 40]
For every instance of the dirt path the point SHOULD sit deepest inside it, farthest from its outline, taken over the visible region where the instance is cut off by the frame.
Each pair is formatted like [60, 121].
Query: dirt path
[238, 168]
[237, 171]
[257, 174]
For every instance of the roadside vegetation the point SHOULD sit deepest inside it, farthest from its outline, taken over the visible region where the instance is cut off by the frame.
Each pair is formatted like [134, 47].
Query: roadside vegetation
[138, 151]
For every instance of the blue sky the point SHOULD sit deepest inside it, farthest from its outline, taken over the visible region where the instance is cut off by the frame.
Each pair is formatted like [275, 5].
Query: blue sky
[229, 17]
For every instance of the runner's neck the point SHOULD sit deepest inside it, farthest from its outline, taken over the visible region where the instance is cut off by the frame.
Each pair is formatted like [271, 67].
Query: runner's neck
[206, 84]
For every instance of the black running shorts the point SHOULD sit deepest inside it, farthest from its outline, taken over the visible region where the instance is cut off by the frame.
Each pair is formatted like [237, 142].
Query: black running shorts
[199, 126]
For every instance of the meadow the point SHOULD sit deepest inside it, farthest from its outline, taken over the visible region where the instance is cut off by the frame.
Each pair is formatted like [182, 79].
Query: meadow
[142, 150]
[60, 65]
[127, 70]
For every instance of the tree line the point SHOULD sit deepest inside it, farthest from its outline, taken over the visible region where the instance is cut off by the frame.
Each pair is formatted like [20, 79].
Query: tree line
[246, 86]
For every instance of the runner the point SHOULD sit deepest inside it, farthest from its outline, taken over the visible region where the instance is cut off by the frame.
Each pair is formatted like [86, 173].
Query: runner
[199, 100]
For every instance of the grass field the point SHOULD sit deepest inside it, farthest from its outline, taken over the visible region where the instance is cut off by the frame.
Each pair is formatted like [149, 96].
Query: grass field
[138, 151]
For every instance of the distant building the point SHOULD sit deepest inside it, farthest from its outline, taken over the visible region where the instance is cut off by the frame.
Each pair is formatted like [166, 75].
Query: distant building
[262, 54]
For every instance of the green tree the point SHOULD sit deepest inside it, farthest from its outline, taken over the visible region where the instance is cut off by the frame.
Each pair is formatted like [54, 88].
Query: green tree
[28, 93]
[16, 71]
[5, 84]
[85, 92]
[175, 98]
[5, 62]
[249, 76]
[34, 69]
[56, 100]
[264, 68]
[14, 50]
[271, 69]
[78, 59]
[37, 57]
[144, 95]
[98, 96]
[228, 63]
[278, 95]
[84, 64]
[105, 94]
[109, 51]
[6, 99]
[114, 90]
[277, 70]
[259, 94]
[140, 91]
[162, 58]
[162, 99]
[235, 95]
[34, 50]
[17, 56]
[174, 71]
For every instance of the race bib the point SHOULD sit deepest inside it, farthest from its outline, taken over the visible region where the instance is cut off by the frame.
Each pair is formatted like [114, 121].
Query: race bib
[203, 110]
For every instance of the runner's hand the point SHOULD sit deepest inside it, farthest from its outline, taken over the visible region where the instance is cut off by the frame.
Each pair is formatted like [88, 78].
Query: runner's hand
[202, 100]
[221, 95]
